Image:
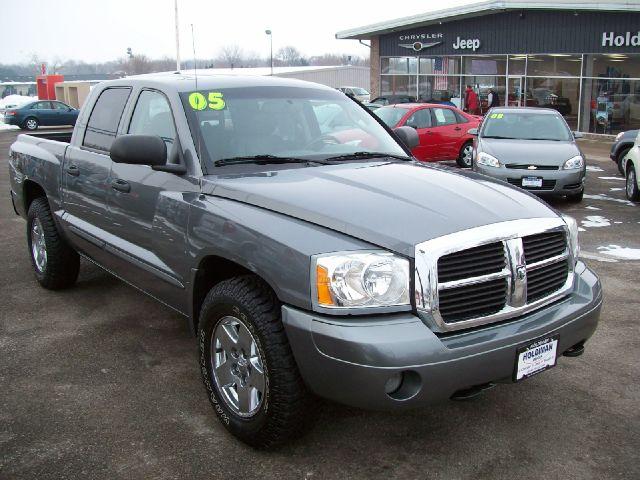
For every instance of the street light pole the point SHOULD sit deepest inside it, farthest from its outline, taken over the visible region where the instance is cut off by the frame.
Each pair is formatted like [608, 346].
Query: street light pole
[177, 38]
[268, 32]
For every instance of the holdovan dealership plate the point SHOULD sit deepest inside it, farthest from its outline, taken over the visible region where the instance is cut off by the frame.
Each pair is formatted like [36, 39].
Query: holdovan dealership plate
[536, 357]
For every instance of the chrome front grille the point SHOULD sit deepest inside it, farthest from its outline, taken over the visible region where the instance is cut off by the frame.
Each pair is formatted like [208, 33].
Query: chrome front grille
[491, 273]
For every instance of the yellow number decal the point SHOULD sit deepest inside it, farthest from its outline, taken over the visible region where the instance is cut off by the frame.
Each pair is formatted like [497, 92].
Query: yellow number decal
[496, 115]
[197, 101]
[216, 102]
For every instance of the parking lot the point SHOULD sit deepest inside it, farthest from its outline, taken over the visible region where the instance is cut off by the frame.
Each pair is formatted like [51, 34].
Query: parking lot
[100, 381]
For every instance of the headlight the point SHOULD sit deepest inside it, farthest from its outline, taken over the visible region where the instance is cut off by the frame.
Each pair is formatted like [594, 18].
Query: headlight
[619, 136]
[487, 160]
[573, 235]
[362, 279]
[574, 163]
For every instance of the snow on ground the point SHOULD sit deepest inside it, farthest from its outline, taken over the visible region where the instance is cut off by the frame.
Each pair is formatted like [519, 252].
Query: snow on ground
[595, 221]
[623, 253]
[4, 126]
[591, 207]
[593, 168]
[603, 196]
[611, 178]
[12, 101]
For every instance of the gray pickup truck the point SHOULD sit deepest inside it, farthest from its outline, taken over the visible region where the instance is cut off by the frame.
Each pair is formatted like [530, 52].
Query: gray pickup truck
[308, 250]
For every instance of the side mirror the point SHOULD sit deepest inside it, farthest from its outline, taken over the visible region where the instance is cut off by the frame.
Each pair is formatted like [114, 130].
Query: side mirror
[139, 150]
[408, 136]
[473, 131]
[577, 135]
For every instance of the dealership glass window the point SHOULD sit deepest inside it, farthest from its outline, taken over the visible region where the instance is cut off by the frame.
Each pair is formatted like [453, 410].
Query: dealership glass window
[398, 85]
[555, 65]
[398, 65]
[439, 88]
[440, 65]
[610, 105]
[482, 84]
[517, 65]
[561, 94]
[614, 65]
[484, 65]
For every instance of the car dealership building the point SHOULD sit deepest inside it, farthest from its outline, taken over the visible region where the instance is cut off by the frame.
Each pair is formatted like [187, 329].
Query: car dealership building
[581, 58]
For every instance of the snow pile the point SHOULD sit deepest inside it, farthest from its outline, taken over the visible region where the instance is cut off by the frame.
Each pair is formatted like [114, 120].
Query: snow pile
[13, 101]
[595, 221]
[623, 253]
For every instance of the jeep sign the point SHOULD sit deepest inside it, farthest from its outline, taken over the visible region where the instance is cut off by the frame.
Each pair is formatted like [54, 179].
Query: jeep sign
[472, 44]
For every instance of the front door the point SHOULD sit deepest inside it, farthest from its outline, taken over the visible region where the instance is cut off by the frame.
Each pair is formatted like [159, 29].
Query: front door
[63, 114]
[149, 209]
[86, 176]
[421, 121]
[515, 96]
[446, 132]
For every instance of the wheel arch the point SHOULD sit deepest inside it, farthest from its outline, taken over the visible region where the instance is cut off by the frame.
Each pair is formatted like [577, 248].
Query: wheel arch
[30, 191]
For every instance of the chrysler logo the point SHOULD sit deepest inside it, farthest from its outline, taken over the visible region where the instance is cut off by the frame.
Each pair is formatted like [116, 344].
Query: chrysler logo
[417, 46]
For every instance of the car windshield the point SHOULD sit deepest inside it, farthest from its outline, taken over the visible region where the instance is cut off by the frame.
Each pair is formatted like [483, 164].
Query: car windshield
[360, 91]
[390, 115]
[525, 126]
[287, 122]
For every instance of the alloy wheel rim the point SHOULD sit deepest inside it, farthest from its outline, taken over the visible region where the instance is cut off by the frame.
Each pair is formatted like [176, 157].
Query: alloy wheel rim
[31, 123]
[631, 180]
[466, 155]
[237, 367]
[38, 245]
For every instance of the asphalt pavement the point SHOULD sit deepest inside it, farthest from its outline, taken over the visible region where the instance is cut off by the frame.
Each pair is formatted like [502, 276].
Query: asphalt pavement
[100, 381]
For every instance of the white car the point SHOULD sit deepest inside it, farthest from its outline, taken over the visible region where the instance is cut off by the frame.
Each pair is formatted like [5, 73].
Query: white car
[632, 169]
[358, 93]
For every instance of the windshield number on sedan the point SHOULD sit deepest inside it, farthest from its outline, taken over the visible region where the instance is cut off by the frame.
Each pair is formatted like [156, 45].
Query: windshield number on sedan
[496, 115]
[213, 101]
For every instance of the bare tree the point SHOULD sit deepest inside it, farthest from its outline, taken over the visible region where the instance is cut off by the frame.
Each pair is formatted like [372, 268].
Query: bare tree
[290, 56]
[230, 56]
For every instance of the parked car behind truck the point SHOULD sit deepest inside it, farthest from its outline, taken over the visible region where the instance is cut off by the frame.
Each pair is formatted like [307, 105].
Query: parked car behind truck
[43, 113]
[305, 261]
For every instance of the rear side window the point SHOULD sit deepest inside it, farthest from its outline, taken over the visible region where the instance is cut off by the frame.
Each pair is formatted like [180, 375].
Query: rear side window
[105, 117]
[443, 116]
[419, 119]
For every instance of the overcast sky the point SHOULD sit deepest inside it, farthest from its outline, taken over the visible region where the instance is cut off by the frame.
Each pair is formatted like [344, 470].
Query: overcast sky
[99, 30]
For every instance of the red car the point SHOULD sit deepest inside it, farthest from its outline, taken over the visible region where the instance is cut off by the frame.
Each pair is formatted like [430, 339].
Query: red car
[443, 130]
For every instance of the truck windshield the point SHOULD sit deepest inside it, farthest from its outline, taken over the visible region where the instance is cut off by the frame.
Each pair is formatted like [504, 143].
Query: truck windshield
[526, 126]
[291, 122]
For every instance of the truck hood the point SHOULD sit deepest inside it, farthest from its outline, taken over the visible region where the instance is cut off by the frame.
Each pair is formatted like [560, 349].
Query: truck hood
[529, 152]
[392, 205]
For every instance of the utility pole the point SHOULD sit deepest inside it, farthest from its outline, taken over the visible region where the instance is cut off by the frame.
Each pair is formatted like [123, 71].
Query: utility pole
[177, 38]
[268, 32]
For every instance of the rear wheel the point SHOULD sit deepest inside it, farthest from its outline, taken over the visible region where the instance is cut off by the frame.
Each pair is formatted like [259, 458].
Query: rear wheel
[55, 263]
[465, 157]
[620, 160]
[247, 366]
[633, 193]
[31, 123]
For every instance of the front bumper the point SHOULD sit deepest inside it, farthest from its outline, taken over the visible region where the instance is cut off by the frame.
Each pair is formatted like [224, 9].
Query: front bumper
[554, 182]
[350, 360]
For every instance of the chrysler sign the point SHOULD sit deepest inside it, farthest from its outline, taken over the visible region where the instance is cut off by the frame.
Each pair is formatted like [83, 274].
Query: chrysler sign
[420, 41]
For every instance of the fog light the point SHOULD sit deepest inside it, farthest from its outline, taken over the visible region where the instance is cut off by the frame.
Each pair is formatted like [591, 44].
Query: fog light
[393, 384]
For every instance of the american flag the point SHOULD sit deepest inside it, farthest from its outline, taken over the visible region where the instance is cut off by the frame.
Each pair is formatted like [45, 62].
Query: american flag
[441, 68]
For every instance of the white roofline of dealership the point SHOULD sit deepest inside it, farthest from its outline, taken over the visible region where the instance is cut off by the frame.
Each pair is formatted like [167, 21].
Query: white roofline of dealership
[481, 9]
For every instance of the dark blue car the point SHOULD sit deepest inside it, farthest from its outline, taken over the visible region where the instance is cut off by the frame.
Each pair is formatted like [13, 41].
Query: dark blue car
[42, 113]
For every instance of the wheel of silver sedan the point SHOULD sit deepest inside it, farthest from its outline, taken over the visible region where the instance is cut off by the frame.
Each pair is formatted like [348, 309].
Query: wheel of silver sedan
[38, 246]
[237, 366]
[631, 182]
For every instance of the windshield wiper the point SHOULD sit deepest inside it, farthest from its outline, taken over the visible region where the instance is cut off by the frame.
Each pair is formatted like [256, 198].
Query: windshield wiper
[501, 138]
[359, 155]
[262, 160]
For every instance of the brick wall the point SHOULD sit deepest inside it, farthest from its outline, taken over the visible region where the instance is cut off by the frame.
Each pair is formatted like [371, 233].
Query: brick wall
[374, 61]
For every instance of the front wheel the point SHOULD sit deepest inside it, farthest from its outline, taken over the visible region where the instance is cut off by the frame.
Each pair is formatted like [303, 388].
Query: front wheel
[247, 366]
[465, 157]
[633, 193]
[31, 123]
[55, 263]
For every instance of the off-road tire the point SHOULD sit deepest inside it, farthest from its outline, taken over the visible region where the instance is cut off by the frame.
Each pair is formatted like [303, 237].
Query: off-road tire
[63, 262]
[283, 413]
[461, 156]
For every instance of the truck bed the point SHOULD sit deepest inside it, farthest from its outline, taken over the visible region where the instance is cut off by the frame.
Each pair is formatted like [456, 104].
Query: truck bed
[63, 136]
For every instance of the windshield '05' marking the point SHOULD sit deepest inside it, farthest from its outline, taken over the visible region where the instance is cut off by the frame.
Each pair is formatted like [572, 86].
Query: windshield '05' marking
[213, 101]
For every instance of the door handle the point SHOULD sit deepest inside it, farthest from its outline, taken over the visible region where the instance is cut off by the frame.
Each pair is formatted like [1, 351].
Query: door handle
[457, 128]
[73, 170]
[121, 186]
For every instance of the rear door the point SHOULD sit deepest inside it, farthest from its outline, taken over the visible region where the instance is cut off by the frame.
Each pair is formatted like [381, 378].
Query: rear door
[446, 132]
[44, 113]
[421, 121]
[148, 209]
[86, 174]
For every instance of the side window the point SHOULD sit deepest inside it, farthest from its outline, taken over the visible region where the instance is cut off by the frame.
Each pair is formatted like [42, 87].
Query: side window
[105, 118]
[152, 116]
[460, 118]
[41, 106]
[60, 106]
[443, 116]
[419, 119]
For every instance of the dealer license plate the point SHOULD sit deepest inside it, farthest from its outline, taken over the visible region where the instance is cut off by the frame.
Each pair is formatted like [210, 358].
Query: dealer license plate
[532, 182]
[536, 357]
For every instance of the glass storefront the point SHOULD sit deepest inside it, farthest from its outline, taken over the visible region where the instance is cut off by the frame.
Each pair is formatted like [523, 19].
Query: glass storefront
[594, 93]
